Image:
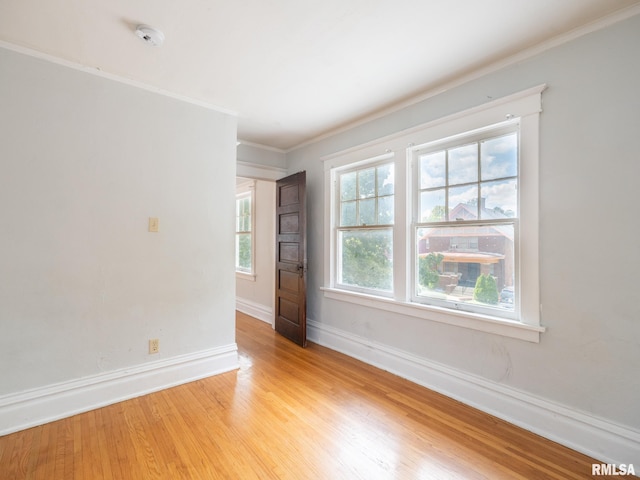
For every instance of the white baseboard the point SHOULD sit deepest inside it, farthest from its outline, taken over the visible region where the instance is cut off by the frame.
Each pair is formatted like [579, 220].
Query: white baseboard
[598, 438]
[42, 405]
[256, 310]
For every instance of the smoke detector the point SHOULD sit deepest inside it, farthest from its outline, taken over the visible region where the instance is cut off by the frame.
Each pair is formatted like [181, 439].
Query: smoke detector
[151, 35]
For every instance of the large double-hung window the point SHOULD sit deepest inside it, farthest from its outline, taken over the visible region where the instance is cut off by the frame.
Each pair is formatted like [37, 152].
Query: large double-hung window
[441, 221]
[465, 220]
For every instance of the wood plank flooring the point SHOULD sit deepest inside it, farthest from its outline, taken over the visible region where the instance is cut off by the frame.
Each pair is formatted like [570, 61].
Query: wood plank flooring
[287, 413]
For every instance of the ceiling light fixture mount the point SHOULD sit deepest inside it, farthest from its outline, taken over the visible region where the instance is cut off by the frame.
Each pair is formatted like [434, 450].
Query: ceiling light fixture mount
[150, 35]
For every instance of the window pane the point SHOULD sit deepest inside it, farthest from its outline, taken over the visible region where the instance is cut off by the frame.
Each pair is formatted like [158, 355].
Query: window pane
[432, 206]
[367, 211]
[482, 273]
[499, 199]
[246, 223]
[385, 210]
[366, 183]
[499, 157]
[243, 252]
[348, 186]
[463, 164]
[243, 214]
[348, 214]
[463, 203]
[366, 258]
[385, 180]
[433, 170]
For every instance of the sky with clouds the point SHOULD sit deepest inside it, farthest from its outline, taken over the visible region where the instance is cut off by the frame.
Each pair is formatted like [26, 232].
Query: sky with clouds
[488, 166]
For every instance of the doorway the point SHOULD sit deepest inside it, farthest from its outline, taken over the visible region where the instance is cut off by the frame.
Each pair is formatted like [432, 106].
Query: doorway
[254, 289]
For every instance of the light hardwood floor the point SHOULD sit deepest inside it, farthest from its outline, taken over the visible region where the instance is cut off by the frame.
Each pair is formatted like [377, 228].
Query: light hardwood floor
[287, 413]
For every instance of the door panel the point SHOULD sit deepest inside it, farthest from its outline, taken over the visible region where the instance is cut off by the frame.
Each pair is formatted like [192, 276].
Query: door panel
[289, 282]
[290, 252]
[291, 258]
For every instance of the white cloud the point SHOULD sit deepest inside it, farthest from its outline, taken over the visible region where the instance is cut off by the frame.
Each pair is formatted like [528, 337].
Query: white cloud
[500, 194]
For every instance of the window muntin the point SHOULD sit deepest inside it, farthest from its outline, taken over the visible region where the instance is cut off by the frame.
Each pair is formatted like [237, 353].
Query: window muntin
[244, 250]
[482, 175]
[466, 223]
[364, 232]
[366, 196]
[523, 108]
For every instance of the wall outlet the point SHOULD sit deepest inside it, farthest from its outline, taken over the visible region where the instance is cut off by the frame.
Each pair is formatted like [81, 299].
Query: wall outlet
[154, 345]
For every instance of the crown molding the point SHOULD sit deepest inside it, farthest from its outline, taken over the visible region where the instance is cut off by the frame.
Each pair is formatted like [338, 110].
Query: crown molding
[110, 76]
[556, 41]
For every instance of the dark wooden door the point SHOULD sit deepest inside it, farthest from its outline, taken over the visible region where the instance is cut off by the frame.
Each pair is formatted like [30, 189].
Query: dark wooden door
[291, 258]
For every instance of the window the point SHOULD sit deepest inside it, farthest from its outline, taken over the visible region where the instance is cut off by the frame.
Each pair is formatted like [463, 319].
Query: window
[463, 244]
[244, 229]
[365, 227]
[465, 220]
[441, 221]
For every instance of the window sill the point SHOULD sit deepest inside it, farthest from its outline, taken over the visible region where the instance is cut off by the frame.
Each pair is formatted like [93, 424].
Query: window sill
[251, 277]
[474, 321]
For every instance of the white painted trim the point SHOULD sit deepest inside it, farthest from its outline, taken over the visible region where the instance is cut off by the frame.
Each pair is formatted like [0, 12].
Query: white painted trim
[259, 172]
[247, 185]
[248, 277]
[574, 34]
[42, 405]
[256, 310]
[261, 146]
[524, 107]
[474, 321]
[519, 104]
[110, 76]
[597, 437]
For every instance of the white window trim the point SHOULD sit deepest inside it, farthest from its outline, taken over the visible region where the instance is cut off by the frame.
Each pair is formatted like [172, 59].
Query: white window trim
[243, 188]
[507, 126]
[371, 162]
[526, 106]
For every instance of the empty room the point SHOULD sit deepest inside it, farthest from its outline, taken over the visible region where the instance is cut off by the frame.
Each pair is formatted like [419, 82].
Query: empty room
[315, 240]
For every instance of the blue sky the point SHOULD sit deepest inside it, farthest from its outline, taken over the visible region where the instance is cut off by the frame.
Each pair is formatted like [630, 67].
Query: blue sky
[498, 159]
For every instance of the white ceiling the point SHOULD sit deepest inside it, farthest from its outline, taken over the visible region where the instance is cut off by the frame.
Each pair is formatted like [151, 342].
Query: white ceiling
[295, 69]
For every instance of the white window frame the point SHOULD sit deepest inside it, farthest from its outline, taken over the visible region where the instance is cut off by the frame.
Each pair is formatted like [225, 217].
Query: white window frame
[508, 126]
[243, 190]
[363, 164]
[523, 107]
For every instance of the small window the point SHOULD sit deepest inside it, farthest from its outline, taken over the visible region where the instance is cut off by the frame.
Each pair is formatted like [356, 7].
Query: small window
[365, 199]
[244, 232]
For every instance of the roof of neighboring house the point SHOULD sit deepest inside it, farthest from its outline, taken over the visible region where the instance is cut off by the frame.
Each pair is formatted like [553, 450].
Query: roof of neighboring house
[464, 211]
[469, 257]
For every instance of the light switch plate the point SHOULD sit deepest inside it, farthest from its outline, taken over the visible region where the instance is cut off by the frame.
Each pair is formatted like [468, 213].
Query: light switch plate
[153, 224]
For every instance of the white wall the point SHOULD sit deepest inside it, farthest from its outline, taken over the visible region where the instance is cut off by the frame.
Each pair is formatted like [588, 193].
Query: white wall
[255, 295]
[580, 384]
[84, 161]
